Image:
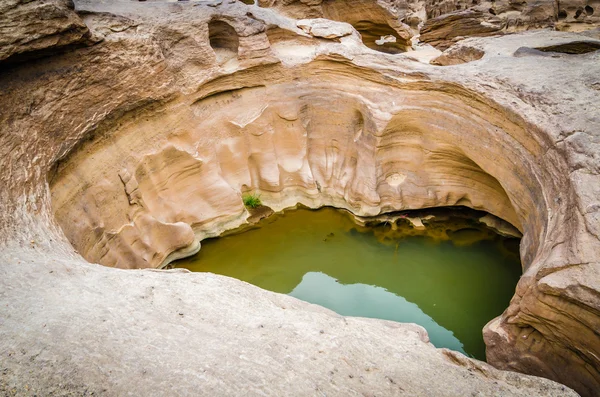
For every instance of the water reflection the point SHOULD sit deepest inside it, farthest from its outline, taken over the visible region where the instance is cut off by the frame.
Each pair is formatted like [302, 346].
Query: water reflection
[362, 300]
[452, 289]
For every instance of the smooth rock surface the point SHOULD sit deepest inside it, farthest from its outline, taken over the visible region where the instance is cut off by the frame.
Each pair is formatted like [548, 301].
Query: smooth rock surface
[134, 149]
[99, 331]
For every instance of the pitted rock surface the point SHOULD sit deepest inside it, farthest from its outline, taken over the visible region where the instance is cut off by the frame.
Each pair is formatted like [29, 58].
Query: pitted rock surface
[127, 150]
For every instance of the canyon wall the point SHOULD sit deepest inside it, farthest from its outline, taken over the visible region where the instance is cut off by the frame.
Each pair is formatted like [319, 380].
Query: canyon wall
[139, 138]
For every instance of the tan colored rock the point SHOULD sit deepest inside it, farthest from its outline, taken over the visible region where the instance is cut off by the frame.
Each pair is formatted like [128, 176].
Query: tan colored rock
[499, 226]
[450, 21]
[297, 9]
[416, 223]
[374, 20]
[30, 29]
[324, 28]
[443, 31]
[135, 149]
[458, 54]
[92, 329]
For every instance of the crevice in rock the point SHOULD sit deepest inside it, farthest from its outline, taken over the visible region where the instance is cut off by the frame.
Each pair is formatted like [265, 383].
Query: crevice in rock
[381, 24]
[223, 40]
[380, 37]
[562, 14]
[277, 35]
[574, 47]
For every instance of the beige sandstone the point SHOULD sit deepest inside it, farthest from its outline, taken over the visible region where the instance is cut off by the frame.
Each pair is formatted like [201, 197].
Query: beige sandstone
[451, 21]
[136, 148]
[29, 28]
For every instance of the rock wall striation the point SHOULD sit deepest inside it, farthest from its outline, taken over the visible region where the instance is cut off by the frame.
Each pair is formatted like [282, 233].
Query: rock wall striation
[30, 29]
[134, 149]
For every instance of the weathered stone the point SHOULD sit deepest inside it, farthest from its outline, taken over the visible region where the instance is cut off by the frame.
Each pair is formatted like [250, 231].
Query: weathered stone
[445, 30]
[133, 150]
[499, 226]
[94, 330]
[449, 21]
[458, 54]
[30, 29]
[324, 28]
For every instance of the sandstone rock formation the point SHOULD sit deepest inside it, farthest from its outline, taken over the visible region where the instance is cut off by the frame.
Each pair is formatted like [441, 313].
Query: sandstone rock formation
[450, 21]
[100, 331]
[29, 28]
[136, 148]
[442, 23]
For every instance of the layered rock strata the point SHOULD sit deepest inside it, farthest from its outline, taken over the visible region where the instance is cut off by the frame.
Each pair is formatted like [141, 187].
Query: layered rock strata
[30, 29]
[444, 22]
[136, 148]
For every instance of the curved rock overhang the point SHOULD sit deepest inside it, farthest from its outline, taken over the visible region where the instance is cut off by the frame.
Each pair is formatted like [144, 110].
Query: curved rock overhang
[149, 139]
[141, 191]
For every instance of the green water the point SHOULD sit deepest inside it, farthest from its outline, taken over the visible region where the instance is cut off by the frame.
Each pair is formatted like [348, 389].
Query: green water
[322, 257]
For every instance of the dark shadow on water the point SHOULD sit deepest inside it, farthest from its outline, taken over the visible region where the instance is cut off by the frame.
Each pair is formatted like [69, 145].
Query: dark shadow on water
[323, 257]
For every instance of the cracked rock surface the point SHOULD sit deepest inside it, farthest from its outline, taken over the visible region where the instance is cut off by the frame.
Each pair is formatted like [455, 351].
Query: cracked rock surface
[129, 148]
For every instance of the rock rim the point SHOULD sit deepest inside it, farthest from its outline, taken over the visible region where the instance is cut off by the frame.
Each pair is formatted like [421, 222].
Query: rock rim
[520, 145]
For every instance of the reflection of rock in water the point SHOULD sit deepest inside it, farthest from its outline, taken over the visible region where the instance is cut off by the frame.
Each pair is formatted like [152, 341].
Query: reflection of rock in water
[363, 300]
[123, 126]
[476, 279]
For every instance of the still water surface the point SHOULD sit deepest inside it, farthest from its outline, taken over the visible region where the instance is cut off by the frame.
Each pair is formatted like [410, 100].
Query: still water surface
[322, 257]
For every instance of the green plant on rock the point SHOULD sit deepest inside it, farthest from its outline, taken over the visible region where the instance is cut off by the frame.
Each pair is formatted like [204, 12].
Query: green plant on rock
[251, 200]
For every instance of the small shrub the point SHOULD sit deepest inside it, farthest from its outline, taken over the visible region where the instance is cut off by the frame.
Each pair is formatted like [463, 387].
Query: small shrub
[252, 200]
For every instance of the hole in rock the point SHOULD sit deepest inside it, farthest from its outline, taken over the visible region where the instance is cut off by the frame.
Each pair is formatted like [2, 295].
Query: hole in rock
[574, 47]
[380, 37]
[449, 273]
[589, 10]
[578, 13]
[223, 40]
[562, 14]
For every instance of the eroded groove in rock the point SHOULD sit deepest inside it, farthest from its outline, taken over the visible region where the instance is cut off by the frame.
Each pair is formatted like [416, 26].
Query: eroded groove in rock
[379, 23]
[577, 47]
[149, 137]
[265, 139]
[22, 37]
[443, 31]
[224, 40]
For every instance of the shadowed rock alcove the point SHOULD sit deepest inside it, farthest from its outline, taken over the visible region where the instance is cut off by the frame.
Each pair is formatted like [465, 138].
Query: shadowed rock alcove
[318, 146]
[137, 133]
[173, 176]
[223, 40]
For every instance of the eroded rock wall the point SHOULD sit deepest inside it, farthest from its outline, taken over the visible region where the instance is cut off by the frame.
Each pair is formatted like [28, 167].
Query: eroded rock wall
[450, 21]
[31, 29]
[444, 22]
[318, 146]
[141, 145]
